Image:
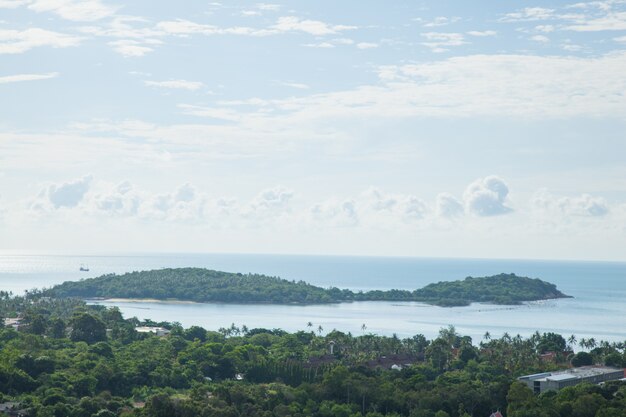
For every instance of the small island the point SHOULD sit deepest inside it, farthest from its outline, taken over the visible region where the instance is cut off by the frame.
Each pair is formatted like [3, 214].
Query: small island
[209, 286]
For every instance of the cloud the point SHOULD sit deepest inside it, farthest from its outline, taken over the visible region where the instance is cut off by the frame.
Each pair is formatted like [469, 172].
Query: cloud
[448, 206]
[268, 205]
[483, 33]
[540, 39]
[130, 48]
[299, 86]
[620, 39]
[285, 24]
[176, 84]
[611, 21]
[584, 205]
[120, 200]
[12, 4]
[17, 42]
[545, 28]
[319, 45]
[441, 21]
[268, 7]
[65, 195]
[487, 197]
[342, 213]
[76, 10]
[27, 77]
[312, 27]
[529, 14]
[382, 208]
[366, 45]
[438, 40]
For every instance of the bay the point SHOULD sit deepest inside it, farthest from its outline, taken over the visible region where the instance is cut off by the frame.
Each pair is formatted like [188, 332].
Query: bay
[598, 308]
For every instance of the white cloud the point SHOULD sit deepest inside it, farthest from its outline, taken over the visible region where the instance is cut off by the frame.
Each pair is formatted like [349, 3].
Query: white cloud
[529, 14]
[273, 200]
[448, 206]
[610, 21]
[27, 77]
[268, 7]
[312, 27]
[487, 197]
[545, 28]
[620, 39]
[441, 21]
[211, 112]
[483, 33]
[366, 45]
[319, 45]
[176, 84]
[584, 205]
[337, 213]
[248, 13]
[299, 86]
[130, 48]
[76, 10]
[437, 41]
[381, 208]
[12, 4]
[540, 38]
[65, 195]
[186, 27]
[17, 42]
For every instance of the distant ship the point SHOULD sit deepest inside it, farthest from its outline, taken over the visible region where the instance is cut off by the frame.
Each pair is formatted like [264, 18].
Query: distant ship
[84, 268]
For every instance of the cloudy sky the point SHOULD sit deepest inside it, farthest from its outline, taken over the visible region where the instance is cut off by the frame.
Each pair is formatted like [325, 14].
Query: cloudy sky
[408, 128]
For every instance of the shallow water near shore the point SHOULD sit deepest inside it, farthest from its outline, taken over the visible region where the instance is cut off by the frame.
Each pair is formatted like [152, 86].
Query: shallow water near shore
[598, 308]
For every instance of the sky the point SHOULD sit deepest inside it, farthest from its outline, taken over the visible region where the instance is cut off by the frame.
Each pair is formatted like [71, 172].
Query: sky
[484, 129]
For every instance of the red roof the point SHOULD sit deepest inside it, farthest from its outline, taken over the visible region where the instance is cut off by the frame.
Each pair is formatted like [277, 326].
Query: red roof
[496, 414]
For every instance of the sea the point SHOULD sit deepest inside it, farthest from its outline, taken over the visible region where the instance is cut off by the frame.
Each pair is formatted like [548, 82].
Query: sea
[597, 309]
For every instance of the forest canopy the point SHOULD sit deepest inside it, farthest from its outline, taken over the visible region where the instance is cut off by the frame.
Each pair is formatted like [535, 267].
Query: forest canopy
[204, 285]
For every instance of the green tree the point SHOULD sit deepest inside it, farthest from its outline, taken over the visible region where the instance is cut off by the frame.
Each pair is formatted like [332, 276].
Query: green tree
[582, 359]
[87, 328]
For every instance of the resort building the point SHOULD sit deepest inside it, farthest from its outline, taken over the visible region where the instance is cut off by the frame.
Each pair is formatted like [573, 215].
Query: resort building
[14, 323]
[159, 331]
[554, 381]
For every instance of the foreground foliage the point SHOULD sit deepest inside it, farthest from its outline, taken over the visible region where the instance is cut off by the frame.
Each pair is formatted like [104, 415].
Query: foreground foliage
[87, 371]
[203, 285]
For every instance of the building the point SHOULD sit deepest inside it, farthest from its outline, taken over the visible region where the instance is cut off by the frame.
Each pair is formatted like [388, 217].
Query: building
[12, 322]
[554, 381]
[159, 331]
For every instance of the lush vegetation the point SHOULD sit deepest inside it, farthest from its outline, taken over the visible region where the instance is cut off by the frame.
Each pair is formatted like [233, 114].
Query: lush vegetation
[64, 362]
[203, 285]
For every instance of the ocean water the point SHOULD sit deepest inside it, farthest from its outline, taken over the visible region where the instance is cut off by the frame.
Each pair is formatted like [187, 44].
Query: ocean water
[598, 308]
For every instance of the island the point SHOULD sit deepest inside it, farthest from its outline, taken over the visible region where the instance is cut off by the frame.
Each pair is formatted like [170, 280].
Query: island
[209, 286]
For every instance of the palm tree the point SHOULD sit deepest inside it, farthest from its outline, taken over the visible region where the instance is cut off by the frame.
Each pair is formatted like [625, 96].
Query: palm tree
[309, 325]
[363, 328]
[487, 336]
[572, 341]
[591, 343]
[320, 329]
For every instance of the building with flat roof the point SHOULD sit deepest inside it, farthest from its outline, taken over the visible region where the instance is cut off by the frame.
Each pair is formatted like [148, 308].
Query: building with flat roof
[159, 331]
[554, 381]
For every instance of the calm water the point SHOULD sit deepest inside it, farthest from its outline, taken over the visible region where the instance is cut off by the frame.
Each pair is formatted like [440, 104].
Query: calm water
[598, 309]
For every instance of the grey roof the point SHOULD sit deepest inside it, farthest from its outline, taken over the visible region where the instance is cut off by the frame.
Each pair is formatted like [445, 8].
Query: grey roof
[562, 377]
[573, 373]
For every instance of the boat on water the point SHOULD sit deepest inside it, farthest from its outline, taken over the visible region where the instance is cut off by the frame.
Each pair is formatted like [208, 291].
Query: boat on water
[84, 268]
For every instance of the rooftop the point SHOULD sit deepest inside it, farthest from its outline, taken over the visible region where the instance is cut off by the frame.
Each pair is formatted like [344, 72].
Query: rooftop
[573, 373]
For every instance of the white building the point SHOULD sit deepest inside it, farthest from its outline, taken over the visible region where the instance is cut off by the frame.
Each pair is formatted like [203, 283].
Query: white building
[159, 331]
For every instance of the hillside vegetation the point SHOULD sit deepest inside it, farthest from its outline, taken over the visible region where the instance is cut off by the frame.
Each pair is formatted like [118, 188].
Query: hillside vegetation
[203, 285]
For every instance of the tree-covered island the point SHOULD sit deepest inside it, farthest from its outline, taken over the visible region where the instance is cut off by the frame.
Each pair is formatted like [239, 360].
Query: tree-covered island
[204, 285]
